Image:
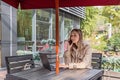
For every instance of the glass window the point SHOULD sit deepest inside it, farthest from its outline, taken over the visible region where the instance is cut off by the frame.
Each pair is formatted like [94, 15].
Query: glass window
[42, 28]
[68, 26]
[54, 25]
[0, 38]
[24, 31]
[24, 24]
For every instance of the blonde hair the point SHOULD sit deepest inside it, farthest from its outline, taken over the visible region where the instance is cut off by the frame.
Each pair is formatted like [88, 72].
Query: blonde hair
[80, 44]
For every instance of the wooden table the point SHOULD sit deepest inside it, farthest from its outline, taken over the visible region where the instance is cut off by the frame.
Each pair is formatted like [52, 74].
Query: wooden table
[44, 74]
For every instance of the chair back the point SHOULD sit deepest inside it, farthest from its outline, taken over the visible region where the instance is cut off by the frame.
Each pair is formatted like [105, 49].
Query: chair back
[96, 60]
[19, 63]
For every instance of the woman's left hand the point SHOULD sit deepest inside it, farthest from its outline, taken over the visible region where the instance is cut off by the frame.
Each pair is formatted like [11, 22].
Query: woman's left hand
[63, 66]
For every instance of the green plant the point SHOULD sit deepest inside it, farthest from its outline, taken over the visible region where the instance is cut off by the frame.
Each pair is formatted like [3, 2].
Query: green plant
[114, 42]
[23, 52]
[43, 42]
[101, 46]
[111, 63]
[36, 57]
[51, 42]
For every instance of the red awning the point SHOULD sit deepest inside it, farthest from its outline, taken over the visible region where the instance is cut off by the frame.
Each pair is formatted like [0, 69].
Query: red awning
[13, 3]
[36, 4]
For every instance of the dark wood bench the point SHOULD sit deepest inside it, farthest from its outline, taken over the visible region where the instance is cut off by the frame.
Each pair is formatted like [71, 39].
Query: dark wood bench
[19, 63]
[96, 60]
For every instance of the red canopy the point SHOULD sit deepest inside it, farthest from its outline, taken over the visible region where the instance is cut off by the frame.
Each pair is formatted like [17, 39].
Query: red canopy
[37, 4]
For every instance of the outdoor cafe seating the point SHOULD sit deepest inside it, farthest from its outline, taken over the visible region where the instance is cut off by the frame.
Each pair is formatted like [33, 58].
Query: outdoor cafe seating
[23, 68]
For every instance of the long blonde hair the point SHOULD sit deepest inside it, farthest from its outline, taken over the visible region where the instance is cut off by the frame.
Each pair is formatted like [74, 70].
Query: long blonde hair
[80, 36]
[80, 44]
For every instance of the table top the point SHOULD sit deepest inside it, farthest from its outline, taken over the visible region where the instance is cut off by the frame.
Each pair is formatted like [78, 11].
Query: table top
[65, 74]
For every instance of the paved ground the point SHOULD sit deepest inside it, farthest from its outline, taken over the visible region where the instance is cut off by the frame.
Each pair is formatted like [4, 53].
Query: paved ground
[110, 75]
[2, 74]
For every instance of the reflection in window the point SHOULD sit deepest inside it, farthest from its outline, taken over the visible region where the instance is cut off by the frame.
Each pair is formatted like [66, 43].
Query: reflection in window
[42, 29]
[24, 22]
[68, 27]
[24, 32]
[43, 15]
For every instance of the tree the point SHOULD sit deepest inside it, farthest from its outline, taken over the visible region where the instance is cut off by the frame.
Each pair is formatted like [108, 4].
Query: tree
[88, 24]
[112, 16]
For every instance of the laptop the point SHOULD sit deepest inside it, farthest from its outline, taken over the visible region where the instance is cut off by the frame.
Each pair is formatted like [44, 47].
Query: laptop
[46, 63]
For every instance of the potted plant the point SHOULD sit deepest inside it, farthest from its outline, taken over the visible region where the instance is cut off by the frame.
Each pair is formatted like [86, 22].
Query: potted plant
[51, 43]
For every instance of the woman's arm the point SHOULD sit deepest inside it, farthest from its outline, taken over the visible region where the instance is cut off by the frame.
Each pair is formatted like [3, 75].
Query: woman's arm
[67, 57]
[67, 54]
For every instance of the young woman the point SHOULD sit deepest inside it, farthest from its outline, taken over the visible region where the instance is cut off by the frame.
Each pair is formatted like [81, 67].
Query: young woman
[78, 53]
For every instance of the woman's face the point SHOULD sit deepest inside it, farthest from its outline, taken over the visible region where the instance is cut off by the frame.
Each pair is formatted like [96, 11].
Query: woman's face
[74, 37]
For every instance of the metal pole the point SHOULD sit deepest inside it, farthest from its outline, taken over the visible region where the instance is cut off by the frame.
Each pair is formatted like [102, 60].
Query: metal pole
[11, 31]
[34, 31]
[62, 35]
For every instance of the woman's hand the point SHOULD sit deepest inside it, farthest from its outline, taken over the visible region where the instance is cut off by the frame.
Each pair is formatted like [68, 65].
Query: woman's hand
[69, 47]
[76, 50]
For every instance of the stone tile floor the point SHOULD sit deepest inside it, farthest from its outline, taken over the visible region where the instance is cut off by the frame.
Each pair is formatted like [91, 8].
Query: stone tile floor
[2, 74]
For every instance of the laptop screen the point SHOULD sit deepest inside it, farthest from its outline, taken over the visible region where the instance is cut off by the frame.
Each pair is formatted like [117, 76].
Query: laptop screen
[45, 61]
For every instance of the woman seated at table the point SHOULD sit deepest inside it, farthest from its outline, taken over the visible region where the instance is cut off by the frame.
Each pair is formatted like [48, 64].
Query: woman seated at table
[78, 53]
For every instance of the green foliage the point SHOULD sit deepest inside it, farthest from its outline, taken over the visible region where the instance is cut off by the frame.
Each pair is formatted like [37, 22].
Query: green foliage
[88, 25]
[111, 63]
[98, 17]
[36, 57]
[43, 41]
[51, 42]
[112, 16]
[100, 46]
[114, 41]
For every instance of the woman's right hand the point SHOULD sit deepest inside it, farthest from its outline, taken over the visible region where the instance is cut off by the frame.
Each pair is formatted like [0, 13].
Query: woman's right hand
[69, 46]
